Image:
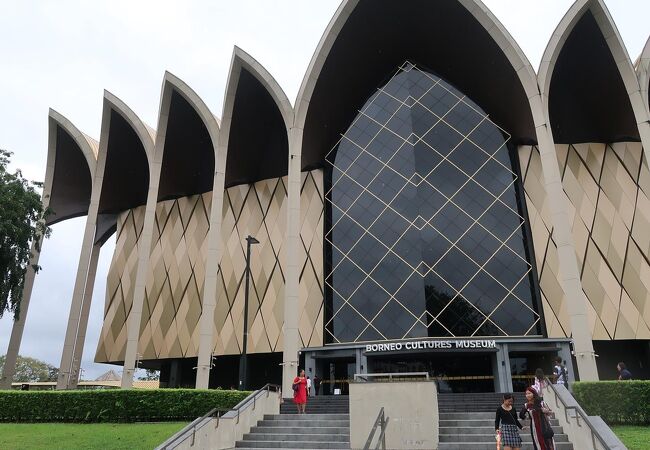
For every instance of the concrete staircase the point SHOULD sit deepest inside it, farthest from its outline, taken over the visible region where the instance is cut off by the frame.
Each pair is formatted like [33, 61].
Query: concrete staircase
[326, 425]
[467, 422]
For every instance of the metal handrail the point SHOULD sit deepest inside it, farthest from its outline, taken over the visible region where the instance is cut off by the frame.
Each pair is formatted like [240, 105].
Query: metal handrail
[579, 413]
[365, 376]
[382, 422]
[200, 422]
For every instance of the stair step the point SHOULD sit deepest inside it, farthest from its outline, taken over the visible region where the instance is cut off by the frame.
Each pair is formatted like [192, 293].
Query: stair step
[479, 430]
[296, 430]
[489, 438]
[303, 423]
[295, 444]
[307, 416]
[305, 437]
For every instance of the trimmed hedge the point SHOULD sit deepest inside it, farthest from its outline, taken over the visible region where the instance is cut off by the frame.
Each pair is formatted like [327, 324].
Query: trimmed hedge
[113, 405]
[616, 402]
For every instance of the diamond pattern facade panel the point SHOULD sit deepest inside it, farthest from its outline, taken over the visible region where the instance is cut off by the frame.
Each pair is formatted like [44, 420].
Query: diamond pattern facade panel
[173, 297]
[607, 187]
[119, 286]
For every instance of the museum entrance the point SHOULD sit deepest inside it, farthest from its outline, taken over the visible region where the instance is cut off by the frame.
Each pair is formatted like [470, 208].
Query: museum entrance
[454, 372]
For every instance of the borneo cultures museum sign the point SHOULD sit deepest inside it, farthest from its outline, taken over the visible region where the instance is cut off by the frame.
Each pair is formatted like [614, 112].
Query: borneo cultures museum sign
[460, 344]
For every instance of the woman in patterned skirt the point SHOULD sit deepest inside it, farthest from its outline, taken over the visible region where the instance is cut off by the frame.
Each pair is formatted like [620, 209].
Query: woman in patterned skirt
[507, 425]
[540, 427]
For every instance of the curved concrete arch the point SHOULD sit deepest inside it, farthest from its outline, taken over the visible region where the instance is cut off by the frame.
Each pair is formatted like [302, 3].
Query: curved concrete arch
[188, 173]
[242, 62]
[643, 72]
[58, 192]
[616, 47]
[475, 8]
[146, 134]
[73, 207]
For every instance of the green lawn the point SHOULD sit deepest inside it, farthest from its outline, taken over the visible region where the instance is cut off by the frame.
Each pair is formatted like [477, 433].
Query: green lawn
[69, 436]
[634, 437]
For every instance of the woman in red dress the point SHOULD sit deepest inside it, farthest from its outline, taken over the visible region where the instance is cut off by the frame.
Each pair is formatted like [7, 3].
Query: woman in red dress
[300, 394]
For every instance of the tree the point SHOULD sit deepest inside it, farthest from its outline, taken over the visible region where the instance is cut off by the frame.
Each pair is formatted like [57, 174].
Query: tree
[151, 375]
[21, 223]
[30, 370]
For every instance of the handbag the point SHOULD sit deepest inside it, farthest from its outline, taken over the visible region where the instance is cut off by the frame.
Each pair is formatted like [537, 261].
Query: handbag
[295, 387]
[547, 429]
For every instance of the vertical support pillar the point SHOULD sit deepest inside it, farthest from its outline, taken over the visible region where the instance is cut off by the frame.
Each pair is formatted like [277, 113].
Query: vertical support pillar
[503, 377]
[290, 327]
[310, 367]
[362, 361]
[576, 300]
[65, 368]
[144, 254]
[9, 368]
[213, 256]
[83, 319]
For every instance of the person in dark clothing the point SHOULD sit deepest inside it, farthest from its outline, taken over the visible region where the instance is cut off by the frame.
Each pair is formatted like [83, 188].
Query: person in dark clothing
[623, 373]
[540, 428]
[317, 382]
[507, 426]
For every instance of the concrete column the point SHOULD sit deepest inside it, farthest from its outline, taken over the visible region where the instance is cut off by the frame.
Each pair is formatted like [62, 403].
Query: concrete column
[565, 354]
[310, 367]
[576, 300]
[214, 252]
[292, 274]
[83, 320]
[9, 368]
[65, 368]
[501, 369]
[144, 254]
[362, 362]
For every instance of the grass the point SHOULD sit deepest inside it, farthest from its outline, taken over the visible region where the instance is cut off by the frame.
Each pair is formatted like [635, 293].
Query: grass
[634, 437]
[72, 436]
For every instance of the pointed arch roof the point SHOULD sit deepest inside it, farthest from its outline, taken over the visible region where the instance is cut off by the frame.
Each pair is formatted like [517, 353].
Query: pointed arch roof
[586, 55]
[71, 162]
[461, 40]
[186, 142]
[256, 120]
[126, 147]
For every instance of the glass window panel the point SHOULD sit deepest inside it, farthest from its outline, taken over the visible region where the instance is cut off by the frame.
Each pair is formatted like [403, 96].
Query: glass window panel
[415, 204]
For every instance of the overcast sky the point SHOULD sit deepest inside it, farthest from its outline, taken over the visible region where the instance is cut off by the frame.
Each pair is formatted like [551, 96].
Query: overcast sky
[63, 55]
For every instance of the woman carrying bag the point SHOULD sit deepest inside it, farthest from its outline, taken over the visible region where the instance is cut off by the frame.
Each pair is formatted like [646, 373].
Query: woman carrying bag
[300, 392]
[507, 426]
[540, 427]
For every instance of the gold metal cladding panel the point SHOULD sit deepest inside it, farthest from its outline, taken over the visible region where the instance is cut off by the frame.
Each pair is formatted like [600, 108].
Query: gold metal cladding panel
[607, 186]
[119, 286]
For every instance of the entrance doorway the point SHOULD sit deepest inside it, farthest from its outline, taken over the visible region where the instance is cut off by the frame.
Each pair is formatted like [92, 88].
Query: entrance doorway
[455, 372]
[335, 374]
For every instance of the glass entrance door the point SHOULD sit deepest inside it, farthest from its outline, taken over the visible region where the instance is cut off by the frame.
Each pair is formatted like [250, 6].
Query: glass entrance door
[455, 372]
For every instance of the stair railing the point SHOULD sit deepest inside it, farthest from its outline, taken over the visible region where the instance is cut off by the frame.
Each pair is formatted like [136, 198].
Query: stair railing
[381, 422]
[579, 414]
[189, 431]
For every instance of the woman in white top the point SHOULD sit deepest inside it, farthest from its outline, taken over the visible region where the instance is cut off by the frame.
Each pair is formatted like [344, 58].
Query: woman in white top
[308, 387]
[540, 382]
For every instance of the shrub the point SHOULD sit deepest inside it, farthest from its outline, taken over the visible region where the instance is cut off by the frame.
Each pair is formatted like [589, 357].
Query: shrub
[113, 405]
[617, 402]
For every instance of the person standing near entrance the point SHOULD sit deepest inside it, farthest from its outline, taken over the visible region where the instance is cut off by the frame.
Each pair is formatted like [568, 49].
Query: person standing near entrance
[540, 427]
[507, 426]
[308, 387]
[560, 373]
[300, 392]
[623, 373]
[317, 381]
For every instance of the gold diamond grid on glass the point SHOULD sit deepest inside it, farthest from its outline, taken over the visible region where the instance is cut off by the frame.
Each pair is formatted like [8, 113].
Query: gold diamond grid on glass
[418, 136]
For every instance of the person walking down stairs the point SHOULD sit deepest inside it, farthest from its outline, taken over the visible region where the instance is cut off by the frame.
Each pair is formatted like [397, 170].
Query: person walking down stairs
[300, 392]
[540, 428]
[507, 425]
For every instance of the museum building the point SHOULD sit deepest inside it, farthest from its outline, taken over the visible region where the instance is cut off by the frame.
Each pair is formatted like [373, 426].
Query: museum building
[429, 203]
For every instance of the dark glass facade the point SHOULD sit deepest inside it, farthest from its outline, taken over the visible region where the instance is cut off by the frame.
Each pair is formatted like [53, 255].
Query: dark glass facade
[425, 236]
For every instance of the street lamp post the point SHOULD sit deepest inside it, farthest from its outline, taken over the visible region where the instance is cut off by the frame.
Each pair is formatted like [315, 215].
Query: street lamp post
[243, 369]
